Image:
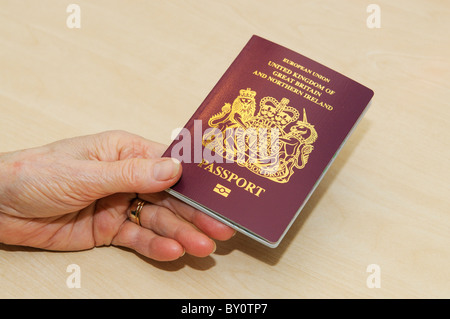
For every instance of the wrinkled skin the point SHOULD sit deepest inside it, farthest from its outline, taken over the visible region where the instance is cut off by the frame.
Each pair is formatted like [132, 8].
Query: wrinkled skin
[74, 194]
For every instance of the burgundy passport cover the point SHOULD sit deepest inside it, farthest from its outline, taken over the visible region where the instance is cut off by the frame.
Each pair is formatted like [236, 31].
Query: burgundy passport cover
[258, 145]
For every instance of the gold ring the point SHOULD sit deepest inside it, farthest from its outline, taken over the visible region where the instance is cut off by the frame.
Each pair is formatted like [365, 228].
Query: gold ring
[135, 210]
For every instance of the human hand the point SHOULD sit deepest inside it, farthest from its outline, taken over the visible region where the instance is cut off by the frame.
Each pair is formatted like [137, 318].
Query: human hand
[74, 195]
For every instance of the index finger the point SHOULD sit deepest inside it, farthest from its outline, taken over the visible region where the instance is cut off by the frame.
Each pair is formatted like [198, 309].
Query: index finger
[210, 226]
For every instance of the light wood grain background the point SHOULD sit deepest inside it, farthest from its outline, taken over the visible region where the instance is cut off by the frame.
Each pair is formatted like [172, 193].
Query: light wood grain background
[145, 66]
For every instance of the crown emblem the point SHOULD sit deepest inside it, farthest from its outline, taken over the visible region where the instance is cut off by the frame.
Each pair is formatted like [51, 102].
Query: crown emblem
[248, 93]
[274, 114]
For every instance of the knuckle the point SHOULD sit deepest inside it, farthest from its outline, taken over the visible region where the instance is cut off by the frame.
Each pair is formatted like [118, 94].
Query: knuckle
[132, 173]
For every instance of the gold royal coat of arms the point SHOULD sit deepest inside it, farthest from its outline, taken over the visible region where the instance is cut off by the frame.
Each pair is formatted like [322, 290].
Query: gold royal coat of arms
[272, 143]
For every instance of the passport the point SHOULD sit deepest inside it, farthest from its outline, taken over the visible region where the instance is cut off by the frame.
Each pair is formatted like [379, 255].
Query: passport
[260, 142]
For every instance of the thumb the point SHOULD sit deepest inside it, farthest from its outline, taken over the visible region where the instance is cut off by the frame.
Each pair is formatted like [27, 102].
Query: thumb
[138, 175]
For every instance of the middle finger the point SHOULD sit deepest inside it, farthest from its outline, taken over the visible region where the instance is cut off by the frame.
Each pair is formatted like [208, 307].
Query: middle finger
[165, 223]
[210, 226]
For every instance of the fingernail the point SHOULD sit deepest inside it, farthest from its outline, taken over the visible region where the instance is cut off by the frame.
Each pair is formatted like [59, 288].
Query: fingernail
[166, 169]
[215, 247]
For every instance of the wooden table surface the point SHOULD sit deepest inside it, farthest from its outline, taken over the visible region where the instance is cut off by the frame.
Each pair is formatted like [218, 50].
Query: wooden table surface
[145, 66]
